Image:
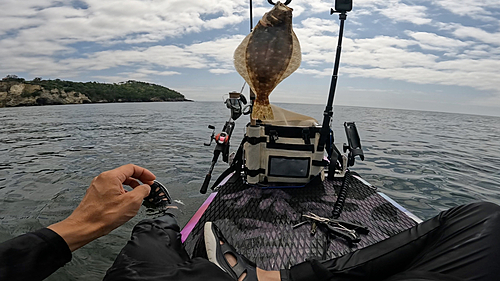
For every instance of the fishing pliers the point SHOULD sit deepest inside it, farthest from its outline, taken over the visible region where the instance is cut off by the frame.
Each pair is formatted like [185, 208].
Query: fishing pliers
[347, 230]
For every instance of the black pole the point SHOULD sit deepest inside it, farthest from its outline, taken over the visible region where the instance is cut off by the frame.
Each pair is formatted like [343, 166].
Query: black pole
[251, 16]
[327, 115]
[208, 177]
[252, 94]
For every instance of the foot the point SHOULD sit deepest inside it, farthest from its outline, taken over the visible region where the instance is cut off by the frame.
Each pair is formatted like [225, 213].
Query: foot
[225, 256]
[232, 261]
[262, 275]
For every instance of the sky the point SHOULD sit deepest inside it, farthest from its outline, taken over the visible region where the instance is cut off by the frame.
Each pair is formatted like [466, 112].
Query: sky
[433, 55]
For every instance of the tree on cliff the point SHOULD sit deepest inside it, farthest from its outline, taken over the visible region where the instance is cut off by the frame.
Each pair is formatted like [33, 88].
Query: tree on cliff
[12, 77]
[134, 91]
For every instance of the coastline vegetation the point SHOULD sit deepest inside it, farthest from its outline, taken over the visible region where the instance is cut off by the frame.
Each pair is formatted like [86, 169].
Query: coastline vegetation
[130, 91]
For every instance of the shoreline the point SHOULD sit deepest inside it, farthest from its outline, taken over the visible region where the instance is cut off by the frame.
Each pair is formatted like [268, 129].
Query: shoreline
[103, 102]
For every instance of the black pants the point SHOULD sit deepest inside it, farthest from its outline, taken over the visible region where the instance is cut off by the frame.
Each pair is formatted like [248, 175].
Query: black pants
[462, 243]
[155, 253]
[459, 244]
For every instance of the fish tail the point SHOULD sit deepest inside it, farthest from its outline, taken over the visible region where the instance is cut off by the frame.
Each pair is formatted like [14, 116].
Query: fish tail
[262, 111]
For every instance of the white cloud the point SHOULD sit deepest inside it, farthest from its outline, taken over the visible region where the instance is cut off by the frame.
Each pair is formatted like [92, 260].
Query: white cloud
[220, 50]
[164, 38]
[478, 34]
[132, 20]
[478, 9]
[146, 71]
[142, 74]
[315, 72]
[47, 31]
[166, 56]
[479, 74]
[221, 71]
[216, 55]
[399, 11]
[318, 26]
[392, 58]
[432, 41]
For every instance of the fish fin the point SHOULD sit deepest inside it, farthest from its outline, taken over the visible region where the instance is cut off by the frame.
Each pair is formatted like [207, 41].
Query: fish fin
[240, 62]
[295, 59]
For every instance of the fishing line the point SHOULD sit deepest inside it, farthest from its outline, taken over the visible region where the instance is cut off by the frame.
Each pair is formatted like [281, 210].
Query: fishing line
[243, 87]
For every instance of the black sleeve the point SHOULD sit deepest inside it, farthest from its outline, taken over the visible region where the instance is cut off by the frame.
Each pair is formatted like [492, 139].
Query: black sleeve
[33, 256]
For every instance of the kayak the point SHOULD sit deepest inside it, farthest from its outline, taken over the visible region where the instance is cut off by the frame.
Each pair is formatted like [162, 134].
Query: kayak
[289, 194]
[259, 222]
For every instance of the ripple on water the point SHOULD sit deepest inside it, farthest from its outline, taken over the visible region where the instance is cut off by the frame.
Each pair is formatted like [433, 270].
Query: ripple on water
[426, 161]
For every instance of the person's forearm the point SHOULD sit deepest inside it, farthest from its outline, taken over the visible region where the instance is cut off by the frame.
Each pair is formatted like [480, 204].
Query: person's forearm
[76, 234]
[33, 256]
[105, 206]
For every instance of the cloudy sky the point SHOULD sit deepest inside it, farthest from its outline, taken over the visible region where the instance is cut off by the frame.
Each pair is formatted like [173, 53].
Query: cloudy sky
[438, 55]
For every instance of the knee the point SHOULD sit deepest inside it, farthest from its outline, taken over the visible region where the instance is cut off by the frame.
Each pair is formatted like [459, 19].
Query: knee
[166, 222]
[486, 207]
[482, 211]
[475, 211]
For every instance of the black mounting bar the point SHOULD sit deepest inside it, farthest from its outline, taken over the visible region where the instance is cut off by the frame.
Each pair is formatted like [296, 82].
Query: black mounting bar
[327, 115]
[353, 143]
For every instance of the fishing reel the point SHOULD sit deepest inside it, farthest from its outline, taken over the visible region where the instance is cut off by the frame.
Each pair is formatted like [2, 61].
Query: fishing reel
[221, 138]
[237, 104]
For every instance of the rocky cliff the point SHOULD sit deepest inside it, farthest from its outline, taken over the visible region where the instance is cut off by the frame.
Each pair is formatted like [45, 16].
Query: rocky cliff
[15, 91]
[22, 94]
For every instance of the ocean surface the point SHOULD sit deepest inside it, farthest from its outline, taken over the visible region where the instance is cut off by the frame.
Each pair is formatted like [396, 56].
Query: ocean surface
[426, 161]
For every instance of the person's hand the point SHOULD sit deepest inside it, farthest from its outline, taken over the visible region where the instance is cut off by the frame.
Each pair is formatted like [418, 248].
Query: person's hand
[106, 205]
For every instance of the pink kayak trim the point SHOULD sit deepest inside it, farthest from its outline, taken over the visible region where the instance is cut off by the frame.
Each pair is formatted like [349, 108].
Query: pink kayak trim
[194, 219]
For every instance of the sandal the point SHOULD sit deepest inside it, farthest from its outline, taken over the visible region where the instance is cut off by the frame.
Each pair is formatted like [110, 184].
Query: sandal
[158, 197]
[216, 252]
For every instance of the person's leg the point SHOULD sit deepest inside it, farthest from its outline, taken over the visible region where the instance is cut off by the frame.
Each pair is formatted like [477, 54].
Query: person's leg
[461, 242]
[155, 252]
[467, 247]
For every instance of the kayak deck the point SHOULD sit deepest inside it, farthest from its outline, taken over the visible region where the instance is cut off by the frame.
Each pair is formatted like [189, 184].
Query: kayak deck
[259, 222]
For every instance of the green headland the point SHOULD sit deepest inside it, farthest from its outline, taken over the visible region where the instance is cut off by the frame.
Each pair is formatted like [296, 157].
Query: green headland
[16, 91]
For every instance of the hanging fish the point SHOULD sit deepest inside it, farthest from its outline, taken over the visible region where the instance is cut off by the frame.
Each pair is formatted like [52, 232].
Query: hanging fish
[269, 54]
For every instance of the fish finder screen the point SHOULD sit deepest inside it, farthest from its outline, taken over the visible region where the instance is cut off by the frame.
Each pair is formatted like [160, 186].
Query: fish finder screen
[290, 167]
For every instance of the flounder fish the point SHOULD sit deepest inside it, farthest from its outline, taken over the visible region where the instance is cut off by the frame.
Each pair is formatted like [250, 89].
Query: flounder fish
[269, 54]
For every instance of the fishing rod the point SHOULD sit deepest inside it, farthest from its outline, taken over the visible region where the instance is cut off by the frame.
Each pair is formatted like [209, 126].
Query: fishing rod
[222, 146]
[236, 104]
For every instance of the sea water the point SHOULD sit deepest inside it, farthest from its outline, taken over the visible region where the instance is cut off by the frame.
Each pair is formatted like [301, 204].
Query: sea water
[426, 161]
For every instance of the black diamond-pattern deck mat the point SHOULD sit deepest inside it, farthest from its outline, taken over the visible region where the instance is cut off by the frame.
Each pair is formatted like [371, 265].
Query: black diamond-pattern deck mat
[258, 222]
